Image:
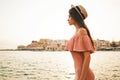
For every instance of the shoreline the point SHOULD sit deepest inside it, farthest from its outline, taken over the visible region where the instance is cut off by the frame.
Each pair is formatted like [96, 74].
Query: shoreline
[53, 50]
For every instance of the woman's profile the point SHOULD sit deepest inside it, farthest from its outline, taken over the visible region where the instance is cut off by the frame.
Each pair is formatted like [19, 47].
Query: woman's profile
[81, 44]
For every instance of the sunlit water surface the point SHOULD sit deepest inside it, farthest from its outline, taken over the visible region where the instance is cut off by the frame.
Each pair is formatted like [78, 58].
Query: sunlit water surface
[29, 65]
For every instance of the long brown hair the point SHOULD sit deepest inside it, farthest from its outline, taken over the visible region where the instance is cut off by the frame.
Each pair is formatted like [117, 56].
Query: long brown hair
[80, 21]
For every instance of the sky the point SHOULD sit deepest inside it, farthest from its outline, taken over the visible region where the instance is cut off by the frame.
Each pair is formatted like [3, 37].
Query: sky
[22, 21]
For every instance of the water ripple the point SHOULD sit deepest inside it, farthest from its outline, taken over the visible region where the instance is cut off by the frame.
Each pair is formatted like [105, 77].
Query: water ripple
[55, 65]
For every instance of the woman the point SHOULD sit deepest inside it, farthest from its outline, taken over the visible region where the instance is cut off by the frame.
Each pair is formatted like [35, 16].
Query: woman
[81, 44]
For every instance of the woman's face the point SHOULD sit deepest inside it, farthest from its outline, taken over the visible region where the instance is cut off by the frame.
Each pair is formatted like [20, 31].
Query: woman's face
[70, 20]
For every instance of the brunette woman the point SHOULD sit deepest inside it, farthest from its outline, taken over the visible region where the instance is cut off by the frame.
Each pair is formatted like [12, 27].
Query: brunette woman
[81, 44]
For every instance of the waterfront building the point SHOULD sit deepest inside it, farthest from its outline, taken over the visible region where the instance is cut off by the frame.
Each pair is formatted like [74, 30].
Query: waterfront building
[102, 44]
[21, 47]
[45, 44]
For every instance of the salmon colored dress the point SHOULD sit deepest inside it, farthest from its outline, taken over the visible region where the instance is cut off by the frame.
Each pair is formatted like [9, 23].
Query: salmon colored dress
[81, 42]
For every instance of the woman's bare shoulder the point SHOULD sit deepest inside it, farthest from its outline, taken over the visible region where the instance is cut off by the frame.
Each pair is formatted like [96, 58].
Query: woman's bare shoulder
[82, 31]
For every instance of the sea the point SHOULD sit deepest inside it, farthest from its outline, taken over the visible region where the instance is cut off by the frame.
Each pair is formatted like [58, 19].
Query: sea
[55, 65]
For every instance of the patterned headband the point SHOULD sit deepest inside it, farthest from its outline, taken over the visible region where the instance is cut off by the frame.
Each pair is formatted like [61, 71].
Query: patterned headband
[79, 11]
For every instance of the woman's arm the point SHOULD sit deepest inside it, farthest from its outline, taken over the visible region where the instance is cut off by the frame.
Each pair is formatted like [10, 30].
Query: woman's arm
[85, 66]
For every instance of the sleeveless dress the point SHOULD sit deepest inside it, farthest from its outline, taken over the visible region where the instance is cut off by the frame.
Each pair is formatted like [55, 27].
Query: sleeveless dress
[81, 43]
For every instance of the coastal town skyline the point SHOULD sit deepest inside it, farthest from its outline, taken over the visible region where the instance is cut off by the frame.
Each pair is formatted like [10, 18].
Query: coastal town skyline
[22, 21]
[60, 45]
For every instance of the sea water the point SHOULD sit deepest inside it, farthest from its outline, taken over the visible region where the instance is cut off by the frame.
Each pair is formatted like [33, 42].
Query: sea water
[42, 65]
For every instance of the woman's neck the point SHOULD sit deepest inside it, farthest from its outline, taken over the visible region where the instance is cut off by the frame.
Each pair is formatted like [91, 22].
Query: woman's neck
[77, 27]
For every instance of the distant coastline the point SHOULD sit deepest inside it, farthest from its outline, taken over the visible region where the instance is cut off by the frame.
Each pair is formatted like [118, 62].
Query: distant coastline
[27, 50]
[8, 49]
[101, 49]
[59, 45]
[20, 50]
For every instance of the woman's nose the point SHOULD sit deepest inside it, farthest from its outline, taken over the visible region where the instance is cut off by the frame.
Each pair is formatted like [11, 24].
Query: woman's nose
[68, 20]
